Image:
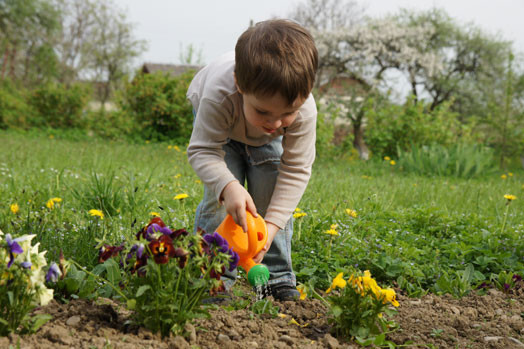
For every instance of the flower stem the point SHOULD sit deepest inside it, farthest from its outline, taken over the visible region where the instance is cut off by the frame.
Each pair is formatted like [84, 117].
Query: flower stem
[505, 217]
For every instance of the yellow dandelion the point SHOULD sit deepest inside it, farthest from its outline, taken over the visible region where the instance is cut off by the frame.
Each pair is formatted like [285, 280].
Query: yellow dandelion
[282, 316]
[503, 176]
[181, 196]
[154, 214]
[331, 232]
[392, 163]
[510, 197]
[299, 214]
[387, 158]
[96, 213]
[14, 208]
[176, 148]
[147, 141]
[510, 174]
[177, 176]
[51, 203]
[51, 136]
[351, 213]
[198, 181]
[338, 281]
[169, 147]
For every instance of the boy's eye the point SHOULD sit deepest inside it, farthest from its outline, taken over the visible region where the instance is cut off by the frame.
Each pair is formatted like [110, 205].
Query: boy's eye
[261, 112]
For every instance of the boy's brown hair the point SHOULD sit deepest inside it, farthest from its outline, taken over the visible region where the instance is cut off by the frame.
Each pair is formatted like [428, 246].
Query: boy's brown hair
[276, 56]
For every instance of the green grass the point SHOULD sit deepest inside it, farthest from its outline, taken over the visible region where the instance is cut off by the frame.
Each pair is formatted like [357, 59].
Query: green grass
[411, 231]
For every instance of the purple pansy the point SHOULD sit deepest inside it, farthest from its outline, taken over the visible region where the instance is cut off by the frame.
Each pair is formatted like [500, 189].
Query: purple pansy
[26, 265]
[155, 228]
[53, 273]
[235, 258]
[222, 246]
[14, 247]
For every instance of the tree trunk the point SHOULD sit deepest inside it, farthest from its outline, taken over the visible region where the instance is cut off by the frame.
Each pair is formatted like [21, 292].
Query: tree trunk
[5, 61]
[359, 142]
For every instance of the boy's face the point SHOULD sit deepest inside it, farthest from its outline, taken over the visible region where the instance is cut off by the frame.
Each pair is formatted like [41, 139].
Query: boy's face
[269, 114]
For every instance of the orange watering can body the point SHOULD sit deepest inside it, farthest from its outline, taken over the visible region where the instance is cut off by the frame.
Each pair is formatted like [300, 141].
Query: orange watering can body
[247, 245]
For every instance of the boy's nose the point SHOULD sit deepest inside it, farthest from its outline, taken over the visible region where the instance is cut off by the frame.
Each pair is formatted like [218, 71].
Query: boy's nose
[275, 124]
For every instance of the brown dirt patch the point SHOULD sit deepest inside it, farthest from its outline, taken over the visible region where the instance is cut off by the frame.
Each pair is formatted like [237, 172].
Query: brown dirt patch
[493, 320]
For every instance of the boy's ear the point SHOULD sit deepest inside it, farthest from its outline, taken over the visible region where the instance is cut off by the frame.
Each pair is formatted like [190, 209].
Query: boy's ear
[236, 84]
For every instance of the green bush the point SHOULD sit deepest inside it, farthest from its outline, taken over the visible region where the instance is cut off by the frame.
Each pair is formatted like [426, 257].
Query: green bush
[458, 160]
[393, 127]
[61, 106]
[158, 104]
[111, 124]
[14, 110]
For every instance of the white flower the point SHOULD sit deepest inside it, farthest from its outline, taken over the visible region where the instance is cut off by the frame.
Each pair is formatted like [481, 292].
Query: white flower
[44, 294]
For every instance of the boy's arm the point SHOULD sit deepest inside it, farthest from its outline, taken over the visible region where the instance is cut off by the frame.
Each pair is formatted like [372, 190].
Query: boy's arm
[295, 165]
[294, 173]
[205, 154]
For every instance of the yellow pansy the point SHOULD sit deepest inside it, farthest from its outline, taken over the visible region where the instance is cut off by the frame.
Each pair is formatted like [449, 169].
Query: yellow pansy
[181, 196]
[389, 295]
[338, 281]
[303, 291]
[96, 213]
[14, 208]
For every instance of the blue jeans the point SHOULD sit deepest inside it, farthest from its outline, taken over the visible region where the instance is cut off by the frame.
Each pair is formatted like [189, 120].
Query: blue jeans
[258, 166]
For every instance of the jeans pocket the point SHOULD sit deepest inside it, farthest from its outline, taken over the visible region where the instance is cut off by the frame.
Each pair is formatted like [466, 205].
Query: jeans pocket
[270, 152]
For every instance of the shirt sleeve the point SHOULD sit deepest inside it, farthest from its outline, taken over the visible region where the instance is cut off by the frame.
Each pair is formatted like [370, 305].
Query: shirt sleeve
[295, 166]
[205, 154]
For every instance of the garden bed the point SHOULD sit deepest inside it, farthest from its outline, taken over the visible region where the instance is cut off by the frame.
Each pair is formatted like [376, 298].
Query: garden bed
[491, 320]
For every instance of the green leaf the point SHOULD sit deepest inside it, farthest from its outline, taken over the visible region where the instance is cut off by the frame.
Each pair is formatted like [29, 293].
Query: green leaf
[141, 290]
[38, 321]
[336, 311]
[131, 304]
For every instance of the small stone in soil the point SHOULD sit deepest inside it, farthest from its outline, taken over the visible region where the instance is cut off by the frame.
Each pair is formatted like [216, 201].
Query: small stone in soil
[73, 320]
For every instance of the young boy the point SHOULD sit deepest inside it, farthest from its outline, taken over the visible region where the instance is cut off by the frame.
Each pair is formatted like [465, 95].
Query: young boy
[255, 121]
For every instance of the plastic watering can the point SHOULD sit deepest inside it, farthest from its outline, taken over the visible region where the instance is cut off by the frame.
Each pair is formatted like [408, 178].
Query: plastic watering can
[247, 245]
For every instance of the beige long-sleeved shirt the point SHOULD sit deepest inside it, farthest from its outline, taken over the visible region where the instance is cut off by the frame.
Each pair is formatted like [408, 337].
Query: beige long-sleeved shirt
[220, 116]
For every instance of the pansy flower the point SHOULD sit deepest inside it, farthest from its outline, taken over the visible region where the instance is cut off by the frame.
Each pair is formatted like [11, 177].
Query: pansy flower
[222, 245]
[154, 228]
[144, 231]
[14, 247]
[162, 249]
[338, 281]
[53, 273]
[108, 251]
[181, 254]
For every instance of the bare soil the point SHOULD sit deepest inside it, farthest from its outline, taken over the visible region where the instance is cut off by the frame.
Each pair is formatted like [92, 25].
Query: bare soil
[492, 320]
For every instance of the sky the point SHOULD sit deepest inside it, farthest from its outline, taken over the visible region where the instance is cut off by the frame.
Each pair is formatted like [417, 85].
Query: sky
[213, 26]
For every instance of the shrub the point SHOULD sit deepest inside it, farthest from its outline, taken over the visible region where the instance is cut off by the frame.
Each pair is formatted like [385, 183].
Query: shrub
[158, 103]
[459, 160]
[394, 127]
[61, 106]
[14, 110]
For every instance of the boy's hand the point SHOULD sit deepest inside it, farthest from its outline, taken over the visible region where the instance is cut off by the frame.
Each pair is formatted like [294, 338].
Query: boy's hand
[237, 200]
[271, 232]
